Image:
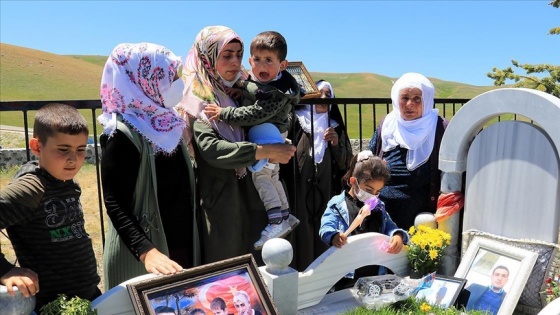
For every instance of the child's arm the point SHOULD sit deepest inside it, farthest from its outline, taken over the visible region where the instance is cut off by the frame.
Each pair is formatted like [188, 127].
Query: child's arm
[212, 111]
[267, 105]
[395, 243]
[329, 231]
[24, 279]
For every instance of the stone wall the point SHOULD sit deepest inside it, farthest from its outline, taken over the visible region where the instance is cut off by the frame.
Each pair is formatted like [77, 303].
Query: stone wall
[13, 157]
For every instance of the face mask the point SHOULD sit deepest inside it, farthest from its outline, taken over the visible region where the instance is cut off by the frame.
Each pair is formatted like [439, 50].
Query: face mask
[363, 195]
[174, 94]
[229, 83]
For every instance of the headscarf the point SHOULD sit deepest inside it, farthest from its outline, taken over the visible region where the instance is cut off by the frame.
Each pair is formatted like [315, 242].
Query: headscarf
[320, 124]
[415, 135]
[204, 85]
[134, 80]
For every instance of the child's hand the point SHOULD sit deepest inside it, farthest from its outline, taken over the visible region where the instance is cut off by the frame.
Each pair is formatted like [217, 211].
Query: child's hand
[26, 280]
[234, 93]
[339, 239]
[395, 244]
[212, 111]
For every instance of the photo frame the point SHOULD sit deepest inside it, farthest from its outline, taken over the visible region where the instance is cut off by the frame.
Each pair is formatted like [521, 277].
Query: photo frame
[237, 279]
[444, 291]
[299, 72]
[485, 257]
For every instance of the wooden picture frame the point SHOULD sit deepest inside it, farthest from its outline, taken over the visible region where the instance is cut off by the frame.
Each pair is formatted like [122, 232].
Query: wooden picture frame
[483, 264]
[299, 72]
[198, 287]
[443, 292]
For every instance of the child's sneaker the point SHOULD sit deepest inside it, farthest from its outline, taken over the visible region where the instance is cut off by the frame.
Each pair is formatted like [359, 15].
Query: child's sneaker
[273, 231]
[293, 221]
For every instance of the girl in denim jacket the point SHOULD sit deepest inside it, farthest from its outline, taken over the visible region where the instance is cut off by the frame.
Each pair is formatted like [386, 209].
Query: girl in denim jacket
[363, 181]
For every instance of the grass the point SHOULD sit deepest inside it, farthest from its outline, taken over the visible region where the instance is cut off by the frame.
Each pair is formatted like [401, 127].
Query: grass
[411, 306]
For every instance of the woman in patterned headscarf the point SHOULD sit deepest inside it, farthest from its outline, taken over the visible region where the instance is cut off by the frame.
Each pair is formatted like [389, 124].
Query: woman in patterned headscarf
[408, 139]
[323, 156]
[147, 176]
[232, 213]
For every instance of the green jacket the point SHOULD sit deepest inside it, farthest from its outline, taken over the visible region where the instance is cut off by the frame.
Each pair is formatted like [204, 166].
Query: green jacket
[119, 263]
[232, 213]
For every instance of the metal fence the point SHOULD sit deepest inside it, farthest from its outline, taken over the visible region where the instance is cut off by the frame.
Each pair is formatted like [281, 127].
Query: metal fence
[361, 116]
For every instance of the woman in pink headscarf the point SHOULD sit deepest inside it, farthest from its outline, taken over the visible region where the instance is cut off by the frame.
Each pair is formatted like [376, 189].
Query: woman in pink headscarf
[232, 213]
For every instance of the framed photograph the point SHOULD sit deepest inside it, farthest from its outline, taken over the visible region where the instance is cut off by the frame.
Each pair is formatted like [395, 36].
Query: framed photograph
[443, 292]
[495, 270]
[299, 72]
[231, 286]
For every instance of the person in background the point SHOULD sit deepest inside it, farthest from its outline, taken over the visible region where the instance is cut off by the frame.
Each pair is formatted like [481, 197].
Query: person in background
[365, 178]
[146, 172]
[165, 310]
[268, 96]
[197, 311]
[408, 138]
[41, 211]
[232, 214]
[323, 155]
[489, 298]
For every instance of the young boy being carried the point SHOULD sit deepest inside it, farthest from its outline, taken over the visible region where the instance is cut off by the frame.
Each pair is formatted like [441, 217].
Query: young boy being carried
[268, 96]
[41, 211]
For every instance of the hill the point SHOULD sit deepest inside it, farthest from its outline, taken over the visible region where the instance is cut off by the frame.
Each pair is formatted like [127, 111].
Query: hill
[29, 74]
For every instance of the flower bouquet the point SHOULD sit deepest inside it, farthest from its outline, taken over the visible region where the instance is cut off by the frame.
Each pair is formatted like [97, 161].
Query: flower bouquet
[425, 249]
[552, 291]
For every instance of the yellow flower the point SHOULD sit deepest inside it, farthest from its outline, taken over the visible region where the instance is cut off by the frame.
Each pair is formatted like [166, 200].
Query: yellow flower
[425, 248]
[425, 307]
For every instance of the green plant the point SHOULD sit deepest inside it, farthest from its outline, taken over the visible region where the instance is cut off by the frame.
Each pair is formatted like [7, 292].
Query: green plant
[425, 248]
[64, 306]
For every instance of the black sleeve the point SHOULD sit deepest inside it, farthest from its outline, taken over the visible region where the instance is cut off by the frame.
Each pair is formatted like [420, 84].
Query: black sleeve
[119, 171]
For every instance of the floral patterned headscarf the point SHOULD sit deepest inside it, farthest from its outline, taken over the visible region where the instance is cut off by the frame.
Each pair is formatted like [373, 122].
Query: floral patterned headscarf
[134, 80]
[203, 85]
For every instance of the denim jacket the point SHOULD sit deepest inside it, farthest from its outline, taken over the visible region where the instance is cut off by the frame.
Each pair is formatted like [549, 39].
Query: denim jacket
[336, 220]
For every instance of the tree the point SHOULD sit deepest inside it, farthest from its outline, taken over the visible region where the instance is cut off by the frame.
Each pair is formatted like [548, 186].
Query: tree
[549, 84]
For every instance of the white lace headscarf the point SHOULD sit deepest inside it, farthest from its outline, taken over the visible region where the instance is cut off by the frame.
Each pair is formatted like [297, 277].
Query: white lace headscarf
[415, 135]
[135, 78]
[320, 124]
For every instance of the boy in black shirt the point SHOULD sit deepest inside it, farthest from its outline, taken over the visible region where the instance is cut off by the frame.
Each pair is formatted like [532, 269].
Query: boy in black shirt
[42, 213]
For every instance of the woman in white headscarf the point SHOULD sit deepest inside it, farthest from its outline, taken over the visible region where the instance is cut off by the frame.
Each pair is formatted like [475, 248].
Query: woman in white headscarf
[408, 139]
[323, 155]
[147, 176]
[232, 213]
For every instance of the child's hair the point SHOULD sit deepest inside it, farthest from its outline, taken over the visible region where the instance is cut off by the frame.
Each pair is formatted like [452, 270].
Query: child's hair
[57, 117]
[270, 40]
[218, 303]
[365, 167]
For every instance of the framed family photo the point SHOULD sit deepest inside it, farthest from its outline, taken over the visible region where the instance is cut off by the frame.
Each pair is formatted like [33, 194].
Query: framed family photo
[231, 286]
[443, 292]
[303, 78]
[496, 269]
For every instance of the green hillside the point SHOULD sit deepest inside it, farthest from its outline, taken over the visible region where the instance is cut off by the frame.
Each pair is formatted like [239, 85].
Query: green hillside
[96, 60]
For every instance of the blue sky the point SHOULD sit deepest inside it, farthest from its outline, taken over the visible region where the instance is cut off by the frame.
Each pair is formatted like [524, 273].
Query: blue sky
[451, 40]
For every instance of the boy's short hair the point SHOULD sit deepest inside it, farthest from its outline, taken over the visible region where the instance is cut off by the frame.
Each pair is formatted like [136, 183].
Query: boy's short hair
[270, 40]
[218, 303]
[58, 117]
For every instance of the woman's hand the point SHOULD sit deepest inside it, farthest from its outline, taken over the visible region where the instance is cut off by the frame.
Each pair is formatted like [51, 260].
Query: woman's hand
[339, 239]
[26, 280]
[159, 264]
[275, 153]
[395, 244]
[212, 111]
[331, 136]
